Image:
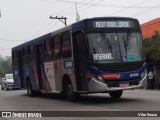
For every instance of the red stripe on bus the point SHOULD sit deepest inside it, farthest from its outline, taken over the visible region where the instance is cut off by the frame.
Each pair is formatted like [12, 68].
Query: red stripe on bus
[36, 76]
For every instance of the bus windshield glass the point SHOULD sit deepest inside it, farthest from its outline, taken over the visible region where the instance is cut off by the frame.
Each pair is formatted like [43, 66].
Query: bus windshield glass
[115, 47]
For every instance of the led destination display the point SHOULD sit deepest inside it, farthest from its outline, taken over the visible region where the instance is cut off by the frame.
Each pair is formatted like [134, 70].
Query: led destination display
[113, 24]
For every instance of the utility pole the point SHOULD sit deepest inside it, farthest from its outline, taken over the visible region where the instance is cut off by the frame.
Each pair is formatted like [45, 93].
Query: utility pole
[77, 14]
[62, 19]
[76, 9]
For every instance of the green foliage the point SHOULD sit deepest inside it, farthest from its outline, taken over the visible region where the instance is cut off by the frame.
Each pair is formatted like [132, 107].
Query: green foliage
[152, 47]
[5, 65]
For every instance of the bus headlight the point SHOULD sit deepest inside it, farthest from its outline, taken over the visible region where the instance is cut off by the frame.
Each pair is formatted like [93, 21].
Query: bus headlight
[100, 78]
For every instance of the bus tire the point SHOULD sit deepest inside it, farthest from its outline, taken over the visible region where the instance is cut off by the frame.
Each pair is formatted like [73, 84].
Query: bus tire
[38, 93]
[30, 92]
[2, 87]
[71, 95]
[116, 94]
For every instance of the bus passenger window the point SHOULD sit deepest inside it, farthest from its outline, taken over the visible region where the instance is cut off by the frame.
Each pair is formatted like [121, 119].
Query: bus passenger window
[32, 49]
[47, 48]
[28, 50]
[57, 47]
[66, 49]
[25, 51]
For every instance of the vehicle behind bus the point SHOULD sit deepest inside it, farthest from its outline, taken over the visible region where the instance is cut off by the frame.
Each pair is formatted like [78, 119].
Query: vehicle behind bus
[99, 55]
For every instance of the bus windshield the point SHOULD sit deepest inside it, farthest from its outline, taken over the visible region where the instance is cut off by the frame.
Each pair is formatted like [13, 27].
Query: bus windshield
[115, 47]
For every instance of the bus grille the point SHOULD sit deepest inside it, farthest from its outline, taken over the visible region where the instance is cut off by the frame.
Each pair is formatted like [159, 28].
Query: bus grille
[119, 67]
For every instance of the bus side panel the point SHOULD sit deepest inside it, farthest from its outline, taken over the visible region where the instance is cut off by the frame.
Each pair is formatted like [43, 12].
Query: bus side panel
[34, 77]
[20, 67]
[49, 71]
[15, 69]
[23, 78]
[31, 73]
[44, 83]
[39, 69]
[57, 66]
[16, 77]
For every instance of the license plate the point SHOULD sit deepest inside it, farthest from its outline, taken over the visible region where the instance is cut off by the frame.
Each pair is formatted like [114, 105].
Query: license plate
[123, 84]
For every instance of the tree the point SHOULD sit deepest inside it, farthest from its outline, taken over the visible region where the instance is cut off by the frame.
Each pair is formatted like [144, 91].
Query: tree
[5, 65]
[152, 47]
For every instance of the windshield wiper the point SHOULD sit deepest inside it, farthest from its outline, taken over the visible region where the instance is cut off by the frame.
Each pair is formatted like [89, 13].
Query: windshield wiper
[126, 41]
[107, 41]
[125, 44]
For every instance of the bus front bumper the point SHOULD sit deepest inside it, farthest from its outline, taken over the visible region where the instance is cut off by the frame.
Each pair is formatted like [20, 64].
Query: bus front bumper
[96, 86]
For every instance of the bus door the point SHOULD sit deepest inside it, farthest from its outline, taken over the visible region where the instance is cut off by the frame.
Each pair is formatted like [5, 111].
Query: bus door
[48, 58]
[20, 64]
[43, 85]
[57, 60]
[80, 60]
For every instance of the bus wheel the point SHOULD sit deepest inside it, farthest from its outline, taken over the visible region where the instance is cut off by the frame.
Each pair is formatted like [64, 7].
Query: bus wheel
[30, 92]
[2, 87]
[116, 94]
[72, 96]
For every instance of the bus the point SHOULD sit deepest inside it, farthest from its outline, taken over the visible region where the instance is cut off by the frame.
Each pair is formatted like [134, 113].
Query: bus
[95, 55]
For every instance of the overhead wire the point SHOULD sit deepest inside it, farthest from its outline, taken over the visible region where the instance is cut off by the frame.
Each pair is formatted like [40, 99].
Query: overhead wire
[102, 5]
[42, 27]
[5, 48]
[72, 9]
[128, 7]
[1, 39]
[52, 26]
[145, 11]
[95, 4]
[85, 7]
[39, 29]
[37, 32]
[92, 4]
[121, 6]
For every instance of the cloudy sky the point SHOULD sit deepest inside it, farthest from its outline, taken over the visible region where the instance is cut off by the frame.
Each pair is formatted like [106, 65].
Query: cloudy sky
[23, 20]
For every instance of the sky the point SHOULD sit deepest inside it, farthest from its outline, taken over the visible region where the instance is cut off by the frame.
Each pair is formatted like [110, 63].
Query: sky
[24, 20]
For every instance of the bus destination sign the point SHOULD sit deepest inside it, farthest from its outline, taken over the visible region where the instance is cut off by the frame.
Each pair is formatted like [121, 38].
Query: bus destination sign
[113, 24]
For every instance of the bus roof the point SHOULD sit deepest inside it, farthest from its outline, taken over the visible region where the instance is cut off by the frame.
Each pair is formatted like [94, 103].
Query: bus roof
[34, 41]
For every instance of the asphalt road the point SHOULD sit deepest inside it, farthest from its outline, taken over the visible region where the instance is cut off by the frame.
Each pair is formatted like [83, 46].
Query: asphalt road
[132, 100]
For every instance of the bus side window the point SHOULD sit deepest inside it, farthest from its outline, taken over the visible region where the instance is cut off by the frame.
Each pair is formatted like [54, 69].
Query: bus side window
[28, 50]
[14, 57]
[25, 51]
[48, 50]
[57, 47]
[66, 47]
[32, 49]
